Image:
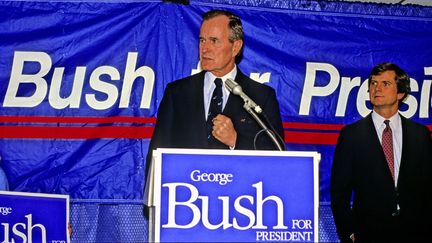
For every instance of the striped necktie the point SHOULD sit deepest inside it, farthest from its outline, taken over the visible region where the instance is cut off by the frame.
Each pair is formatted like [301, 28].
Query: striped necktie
[215, 108]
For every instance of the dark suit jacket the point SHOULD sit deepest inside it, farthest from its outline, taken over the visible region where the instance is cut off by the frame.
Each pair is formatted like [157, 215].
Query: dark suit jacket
[182, 121]
[360, 170]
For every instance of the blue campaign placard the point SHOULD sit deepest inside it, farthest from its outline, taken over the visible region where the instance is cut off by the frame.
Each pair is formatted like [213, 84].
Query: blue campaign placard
[33, 217]
[236, 196]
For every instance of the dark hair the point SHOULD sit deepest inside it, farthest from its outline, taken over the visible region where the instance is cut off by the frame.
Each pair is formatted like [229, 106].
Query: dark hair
[235, 25]
[402, 78]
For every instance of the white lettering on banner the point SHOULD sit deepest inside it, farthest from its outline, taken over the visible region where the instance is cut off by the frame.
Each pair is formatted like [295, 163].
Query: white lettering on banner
[103, 87]
[103, 93]
[255, 219]
[306, 233]
[284, 236]
[197, 70]
[55, 99]
[425, 100]
[24, 231]
[261, 78]
[221, 178]
[301, 224]
[347, 84]
[5, 210]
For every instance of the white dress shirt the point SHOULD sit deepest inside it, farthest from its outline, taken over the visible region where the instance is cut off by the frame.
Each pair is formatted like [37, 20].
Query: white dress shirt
[209, 87]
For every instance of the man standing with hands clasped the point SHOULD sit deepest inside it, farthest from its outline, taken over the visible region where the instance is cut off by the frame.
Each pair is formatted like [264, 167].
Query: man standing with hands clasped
[384, 163]
[199, 112]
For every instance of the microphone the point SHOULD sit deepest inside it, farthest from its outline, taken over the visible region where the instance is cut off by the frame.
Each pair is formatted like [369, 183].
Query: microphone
[250, 106]
[236, 89]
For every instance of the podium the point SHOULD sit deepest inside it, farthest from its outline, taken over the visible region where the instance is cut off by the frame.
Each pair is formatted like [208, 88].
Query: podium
[199, 195]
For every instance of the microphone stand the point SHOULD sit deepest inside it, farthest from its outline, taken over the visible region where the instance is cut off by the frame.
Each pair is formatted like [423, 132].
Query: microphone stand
[272, 136]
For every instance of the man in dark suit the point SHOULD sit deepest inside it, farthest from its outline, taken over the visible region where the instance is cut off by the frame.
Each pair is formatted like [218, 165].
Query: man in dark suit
[385, 167]
[186, 118]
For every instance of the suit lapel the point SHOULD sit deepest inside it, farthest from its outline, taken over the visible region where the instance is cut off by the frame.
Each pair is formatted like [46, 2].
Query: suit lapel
[372, 138]
[234, 102]
[196, 110]
[404, 154]
[197, 91]
[374, 143]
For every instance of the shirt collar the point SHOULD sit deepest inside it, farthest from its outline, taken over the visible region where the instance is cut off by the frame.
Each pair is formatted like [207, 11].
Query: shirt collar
[210, 77]
[378, 120]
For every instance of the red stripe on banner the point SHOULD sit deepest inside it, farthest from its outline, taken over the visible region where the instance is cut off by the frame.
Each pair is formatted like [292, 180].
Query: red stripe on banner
[75, 132]
[43, 132]
[49, 132]
[317, 126]
[311, 137]
[99, 120]
[142, 120]
[312, 126]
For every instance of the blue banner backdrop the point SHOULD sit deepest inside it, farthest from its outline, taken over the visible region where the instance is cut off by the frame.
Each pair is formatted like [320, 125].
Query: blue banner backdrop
[80, 81]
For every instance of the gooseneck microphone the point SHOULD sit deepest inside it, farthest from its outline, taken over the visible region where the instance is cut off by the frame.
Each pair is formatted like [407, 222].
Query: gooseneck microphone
[236, 89]
[253, 109]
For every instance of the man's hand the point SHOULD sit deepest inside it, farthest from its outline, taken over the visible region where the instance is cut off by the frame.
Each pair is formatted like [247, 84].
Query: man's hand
[352, 237]
[223, 130]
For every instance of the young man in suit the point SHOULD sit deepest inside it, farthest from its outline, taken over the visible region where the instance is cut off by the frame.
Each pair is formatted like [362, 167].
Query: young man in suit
[383, 162]
[185, 116]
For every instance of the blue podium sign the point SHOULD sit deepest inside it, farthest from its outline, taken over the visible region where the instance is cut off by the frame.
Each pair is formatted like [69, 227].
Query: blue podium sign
[33, 217]
[235, 196]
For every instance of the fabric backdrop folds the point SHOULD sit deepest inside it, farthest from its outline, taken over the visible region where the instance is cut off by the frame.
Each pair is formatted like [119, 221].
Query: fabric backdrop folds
[87, 137]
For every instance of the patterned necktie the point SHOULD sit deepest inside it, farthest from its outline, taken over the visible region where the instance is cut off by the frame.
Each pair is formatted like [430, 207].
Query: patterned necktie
[215, 108]
[387, 145]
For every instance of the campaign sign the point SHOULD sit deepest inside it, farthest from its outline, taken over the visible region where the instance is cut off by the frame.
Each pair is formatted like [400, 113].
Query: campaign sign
[33, 217]
[235, 196]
